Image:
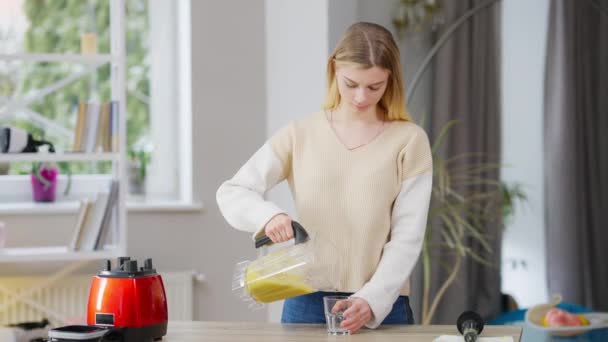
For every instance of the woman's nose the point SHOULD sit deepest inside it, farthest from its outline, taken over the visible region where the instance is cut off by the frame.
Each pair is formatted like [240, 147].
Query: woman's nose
[360, 95]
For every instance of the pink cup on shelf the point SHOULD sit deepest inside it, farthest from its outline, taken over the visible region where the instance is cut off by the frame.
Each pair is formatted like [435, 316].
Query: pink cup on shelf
[45, 192]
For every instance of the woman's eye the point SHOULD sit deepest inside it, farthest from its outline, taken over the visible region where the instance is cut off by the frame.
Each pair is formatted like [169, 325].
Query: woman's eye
[374, 88]
[351, 85]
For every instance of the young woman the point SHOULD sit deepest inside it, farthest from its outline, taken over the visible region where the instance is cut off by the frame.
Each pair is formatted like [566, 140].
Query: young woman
[360, 173]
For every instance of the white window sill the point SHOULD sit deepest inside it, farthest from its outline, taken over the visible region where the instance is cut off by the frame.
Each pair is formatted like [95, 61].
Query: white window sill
[136, 205]
[143, 204]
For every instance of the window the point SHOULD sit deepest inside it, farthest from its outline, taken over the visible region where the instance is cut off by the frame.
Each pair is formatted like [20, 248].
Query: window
[157, 82]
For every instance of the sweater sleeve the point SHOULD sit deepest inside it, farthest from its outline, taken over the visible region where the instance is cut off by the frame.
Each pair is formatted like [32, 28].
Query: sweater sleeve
[408, 226]
[241, 199]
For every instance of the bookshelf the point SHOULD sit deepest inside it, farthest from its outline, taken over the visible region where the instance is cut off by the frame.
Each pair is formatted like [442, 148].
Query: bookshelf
[117, 60]
[57, 157]
[92, 59]
[52, 253]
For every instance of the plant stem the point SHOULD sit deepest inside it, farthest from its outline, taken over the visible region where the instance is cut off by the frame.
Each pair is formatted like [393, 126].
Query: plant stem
[426, 320]
[426, 265]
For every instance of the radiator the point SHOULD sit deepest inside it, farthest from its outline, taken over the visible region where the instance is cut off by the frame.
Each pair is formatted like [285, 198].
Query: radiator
[69, 297]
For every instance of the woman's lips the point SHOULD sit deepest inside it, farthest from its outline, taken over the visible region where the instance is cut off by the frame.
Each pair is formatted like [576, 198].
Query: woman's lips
[360, 108]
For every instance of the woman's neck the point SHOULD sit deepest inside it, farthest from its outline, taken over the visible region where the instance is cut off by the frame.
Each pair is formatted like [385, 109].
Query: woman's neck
[343, 113]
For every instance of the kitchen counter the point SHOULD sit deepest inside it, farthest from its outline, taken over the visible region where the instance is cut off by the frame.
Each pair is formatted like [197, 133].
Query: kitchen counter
[248, 331]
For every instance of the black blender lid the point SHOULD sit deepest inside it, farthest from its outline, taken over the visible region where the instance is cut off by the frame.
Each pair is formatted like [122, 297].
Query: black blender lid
[127, 268]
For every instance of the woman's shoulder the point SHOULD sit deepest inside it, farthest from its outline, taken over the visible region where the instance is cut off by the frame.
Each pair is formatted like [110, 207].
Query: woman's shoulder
[310, 119]
[304, 122]
[409, 129]
[300, 125]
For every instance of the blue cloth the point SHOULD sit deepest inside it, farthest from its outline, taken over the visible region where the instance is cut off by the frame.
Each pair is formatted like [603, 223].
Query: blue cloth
[309, 309]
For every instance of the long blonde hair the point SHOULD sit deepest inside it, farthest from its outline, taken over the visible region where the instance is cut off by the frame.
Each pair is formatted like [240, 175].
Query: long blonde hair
[368, 45]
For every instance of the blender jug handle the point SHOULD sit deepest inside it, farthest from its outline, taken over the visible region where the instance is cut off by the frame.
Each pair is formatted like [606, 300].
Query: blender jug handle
[299, 234]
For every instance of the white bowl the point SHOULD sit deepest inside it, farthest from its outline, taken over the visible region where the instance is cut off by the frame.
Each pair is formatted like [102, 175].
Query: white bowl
[535, 315]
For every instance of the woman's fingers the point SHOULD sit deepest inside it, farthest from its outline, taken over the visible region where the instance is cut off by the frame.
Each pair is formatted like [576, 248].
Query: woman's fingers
[272, 235]
[353, 310]
[282, 234]
[354, 326]
[278, 229]
[340, 306]
[357, 315]
[288, 230]
[284, 230]
[355, 322]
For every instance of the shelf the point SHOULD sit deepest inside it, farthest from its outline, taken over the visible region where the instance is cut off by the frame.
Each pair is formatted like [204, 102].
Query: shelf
[156, 205]
[59, 253]
[33, 208]
[19, 188]
[71, 207]
[59, 58]
[56, 157]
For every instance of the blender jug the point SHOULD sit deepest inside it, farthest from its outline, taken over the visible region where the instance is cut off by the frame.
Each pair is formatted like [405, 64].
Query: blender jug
[280, 274]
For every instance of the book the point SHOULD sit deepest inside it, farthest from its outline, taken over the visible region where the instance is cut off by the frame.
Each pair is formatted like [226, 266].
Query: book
[103, 131]
[90, 138]
[114, 126]
[81, 220]
[109, 212]
[80, 127]
[93, 226]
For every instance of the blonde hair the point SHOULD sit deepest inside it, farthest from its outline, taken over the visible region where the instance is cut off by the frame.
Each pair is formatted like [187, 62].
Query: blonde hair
[368, 45]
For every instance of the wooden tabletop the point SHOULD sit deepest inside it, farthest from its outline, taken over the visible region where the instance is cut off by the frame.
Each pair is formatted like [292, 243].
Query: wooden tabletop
[248, 331]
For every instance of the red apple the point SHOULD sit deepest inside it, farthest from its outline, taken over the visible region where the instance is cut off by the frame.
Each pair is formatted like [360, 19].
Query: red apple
[559, 318]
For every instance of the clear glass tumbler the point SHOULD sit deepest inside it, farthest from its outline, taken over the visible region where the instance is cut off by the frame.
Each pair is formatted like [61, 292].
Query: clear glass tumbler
[334, 313]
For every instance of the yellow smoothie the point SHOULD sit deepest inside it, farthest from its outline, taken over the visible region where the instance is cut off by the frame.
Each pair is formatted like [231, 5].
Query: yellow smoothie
[276, 287]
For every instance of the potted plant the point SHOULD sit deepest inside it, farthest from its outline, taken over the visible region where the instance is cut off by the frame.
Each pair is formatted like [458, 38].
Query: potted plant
[139, 159]
[44, 177]
[414, 15]
[44, 182]
[459, 214]
[4, 168]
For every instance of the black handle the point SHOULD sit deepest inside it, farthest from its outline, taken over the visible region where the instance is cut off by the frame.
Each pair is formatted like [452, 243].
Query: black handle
[299, 235]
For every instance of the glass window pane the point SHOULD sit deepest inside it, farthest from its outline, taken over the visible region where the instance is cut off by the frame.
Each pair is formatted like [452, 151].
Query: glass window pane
[57, 27]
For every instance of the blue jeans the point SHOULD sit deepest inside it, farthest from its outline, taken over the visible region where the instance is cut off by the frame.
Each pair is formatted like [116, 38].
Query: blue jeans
[309, 309]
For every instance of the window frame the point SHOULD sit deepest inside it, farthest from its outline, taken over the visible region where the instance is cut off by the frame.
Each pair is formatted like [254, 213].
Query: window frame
[176, 24]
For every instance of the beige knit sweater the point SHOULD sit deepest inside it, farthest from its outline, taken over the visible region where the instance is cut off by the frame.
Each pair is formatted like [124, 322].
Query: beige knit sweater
[368, 205]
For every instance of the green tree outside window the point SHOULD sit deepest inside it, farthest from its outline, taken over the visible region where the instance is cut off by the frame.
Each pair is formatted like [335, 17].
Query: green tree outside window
[56, 26]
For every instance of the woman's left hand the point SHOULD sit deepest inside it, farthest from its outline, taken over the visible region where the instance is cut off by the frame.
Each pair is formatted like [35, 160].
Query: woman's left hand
[357, 315]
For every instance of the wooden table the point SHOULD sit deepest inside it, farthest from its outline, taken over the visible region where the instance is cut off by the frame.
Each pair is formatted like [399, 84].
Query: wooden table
[248, 331]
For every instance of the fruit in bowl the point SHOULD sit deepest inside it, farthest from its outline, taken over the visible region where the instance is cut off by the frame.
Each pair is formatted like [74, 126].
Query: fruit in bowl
[562, 318]
[559, 322]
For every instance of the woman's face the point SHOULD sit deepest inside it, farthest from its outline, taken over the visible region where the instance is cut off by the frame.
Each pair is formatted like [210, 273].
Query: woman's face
[361, 89]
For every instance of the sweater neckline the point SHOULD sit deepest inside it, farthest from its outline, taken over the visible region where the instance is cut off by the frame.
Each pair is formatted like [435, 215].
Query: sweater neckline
[332, 132]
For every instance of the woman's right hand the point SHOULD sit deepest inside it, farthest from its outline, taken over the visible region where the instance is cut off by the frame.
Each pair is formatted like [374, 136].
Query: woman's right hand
[279, 229]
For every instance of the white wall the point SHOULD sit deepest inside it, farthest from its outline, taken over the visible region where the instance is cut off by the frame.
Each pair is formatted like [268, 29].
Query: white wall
[296, 55]
[523, 64]
[342, 14]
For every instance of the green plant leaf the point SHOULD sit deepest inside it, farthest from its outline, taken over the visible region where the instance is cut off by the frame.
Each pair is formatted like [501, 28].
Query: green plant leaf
[443, 133]
[466, 199]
